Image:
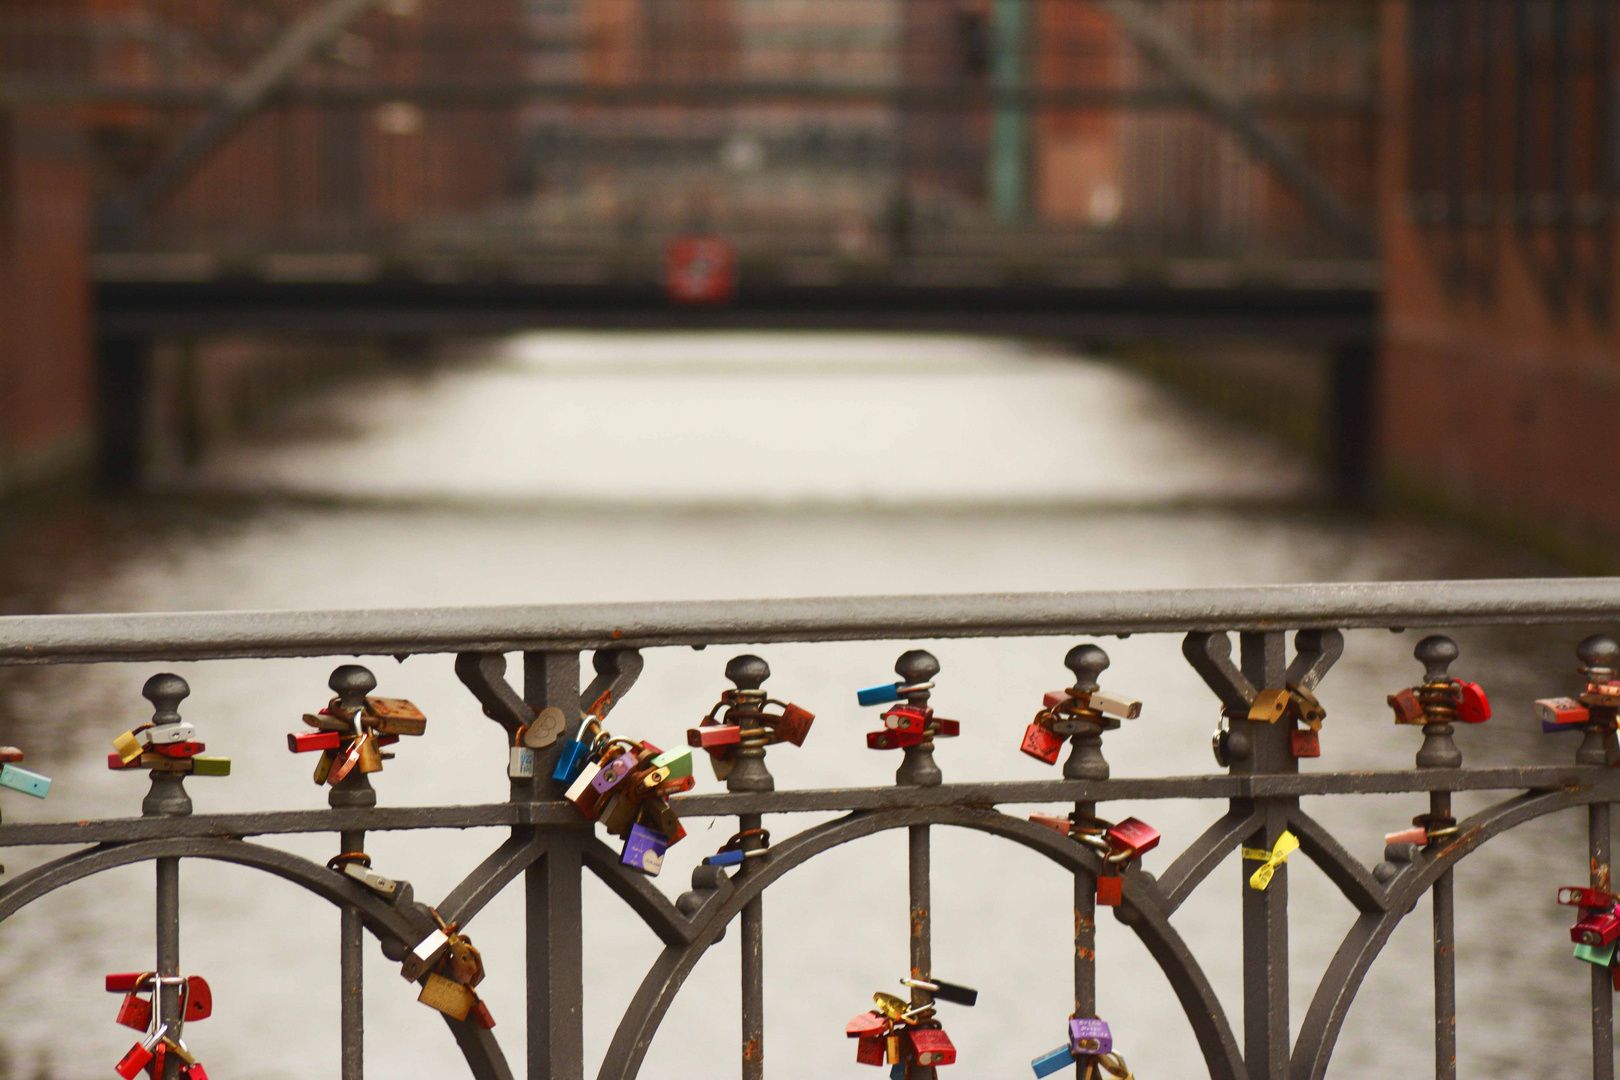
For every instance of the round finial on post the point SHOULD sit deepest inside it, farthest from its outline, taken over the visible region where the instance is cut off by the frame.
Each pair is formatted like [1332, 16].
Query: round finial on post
[1087, 662]
[1599, 651]
[351, 683]
[748, 672]
[916, 666]
[166, 692]
[1435, 653]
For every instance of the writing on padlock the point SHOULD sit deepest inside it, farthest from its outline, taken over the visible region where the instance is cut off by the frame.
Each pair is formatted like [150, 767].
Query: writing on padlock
[1119, 844]
[901, 1034]
[449, 968]
[1091, 1044]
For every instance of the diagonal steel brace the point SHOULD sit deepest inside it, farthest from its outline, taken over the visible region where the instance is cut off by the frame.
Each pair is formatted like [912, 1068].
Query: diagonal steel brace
[1161, 44]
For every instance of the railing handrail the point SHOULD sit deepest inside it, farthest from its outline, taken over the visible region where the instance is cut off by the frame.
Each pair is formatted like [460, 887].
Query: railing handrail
[210, 635]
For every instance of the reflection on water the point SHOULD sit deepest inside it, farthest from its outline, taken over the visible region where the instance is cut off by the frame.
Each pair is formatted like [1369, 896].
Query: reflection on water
[555, 468]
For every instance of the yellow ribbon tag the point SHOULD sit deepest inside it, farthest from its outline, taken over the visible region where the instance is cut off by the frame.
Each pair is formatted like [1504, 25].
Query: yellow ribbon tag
[1286, 845]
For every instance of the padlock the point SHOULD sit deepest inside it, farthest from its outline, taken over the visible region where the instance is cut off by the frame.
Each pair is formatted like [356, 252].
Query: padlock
[661, 818]
[127, 747]
[385, 887]
[425, 955]
[793, 725]
[879, 695]
[869, 1051]
[183, 731]
[954, 993]
[394, 716]
[1418, 835]
[580, 792]
[905, 718]
[571, 762]
[730, 857]
[946, 729]
[1306, 708]
[1052, 1061]
[347, 760]
[675, 787]
[302, 742]
[1473, 707]
[678, 761]
[520, 763]
[617, 812]
[1268, 706]
[177, 1048]
[1041, 744]
[1114, 705]
[1304, 743]
[1600, 955]
[1556, 713]
[141, 1054]
[323, 766]
[176, 750]
[326, 721]
[930, 1046]
[481, 1015]
[1134, 836]
[1408, 710]
[546, 728]
[448, 996]
[465, 963]
[1601, 929]
[867, 1025]
[163, 763]
[116, 762]
[1060, 824]
[644, 850]
[613, 773]
[646, 782]
[24, 780]
[198, 999]
[210, 766]
[135, 1012]
[892, 740]
[1089, 1035]
[1110, 890]
[1570, 895]
[193, 1072]
[719, 737]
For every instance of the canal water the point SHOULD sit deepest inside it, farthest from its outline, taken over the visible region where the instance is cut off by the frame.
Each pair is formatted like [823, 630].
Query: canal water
[598, 467]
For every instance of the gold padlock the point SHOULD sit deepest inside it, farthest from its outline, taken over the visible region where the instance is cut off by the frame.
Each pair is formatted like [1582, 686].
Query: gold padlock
[323, 766]
[394, 716]
[1307, 708]
[620, 813]
[370, 756]
[449, 997]
[465, 965]
[1269, 706]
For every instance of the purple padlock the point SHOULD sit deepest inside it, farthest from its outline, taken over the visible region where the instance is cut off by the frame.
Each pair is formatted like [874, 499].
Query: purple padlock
[612, 773]
[644, 850]
[1089, 1036]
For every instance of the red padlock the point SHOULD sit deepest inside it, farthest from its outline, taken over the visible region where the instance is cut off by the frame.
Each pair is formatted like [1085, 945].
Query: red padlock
[947, 729]
[134, 1061]
[905, 718]
[794, 724]
[892, 740]
[129, 982]
[1110, 890]
[1061, 824]
[1133, 835]
[1407, 708]
[194, 1071]
[1475, 707]
[870, 1051]
[177, 749]
[930, 1046]
[675, 787]
[1596, 930]
[116, 762]
[868, 1025]
[1055, 698]
[714, 738]
[135, 1012]
[1041, 743]
[199, 999]
[1561, 710]
[481, 1015]
[1304, 743]
[1581, 896]
[302, 742]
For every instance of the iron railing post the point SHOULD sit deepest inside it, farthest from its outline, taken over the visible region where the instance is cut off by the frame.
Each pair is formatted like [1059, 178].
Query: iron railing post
[553, 912]
[1598, 836]
[168, 953]
[351, 977]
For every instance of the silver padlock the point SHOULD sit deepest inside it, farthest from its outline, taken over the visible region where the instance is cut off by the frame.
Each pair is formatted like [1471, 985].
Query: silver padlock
[365, 875]
[425, 955]
[1122, 708]
[166, 734]
[521, 764]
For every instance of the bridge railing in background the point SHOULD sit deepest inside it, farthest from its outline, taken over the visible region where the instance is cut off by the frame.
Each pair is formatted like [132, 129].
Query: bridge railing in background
[1077, 142]
[1269, 711]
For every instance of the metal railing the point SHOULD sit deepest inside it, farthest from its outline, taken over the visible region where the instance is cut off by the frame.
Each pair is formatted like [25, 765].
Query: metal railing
[1266, 699]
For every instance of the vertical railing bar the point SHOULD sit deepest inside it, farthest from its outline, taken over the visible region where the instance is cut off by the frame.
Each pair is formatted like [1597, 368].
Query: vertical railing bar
[168, 952]
[920, 865]
[1085, 938]
[1598, 822]
[1445, 958]
[351, 978]
[753, 967]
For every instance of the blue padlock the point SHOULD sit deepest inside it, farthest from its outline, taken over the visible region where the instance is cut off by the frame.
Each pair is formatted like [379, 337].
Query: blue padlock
[897, 1071]
[879, 695]
[1051, 1062]
[571, 762]
[29, 783]
[732, 857]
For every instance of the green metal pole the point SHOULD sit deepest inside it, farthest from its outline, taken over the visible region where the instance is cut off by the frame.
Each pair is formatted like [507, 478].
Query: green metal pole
[1009, 134]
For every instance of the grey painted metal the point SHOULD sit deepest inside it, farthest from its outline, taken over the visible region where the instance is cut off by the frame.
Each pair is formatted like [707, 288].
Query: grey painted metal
[313, 31]
[168, 950]
[41, 639]
[351, 978]
[1162, 45]
[550, 844]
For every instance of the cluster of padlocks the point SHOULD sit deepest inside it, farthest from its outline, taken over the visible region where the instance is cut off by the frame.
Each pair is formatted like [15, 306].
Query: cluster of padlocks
[627, 786]
[903, 1035]
[162, 1037]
